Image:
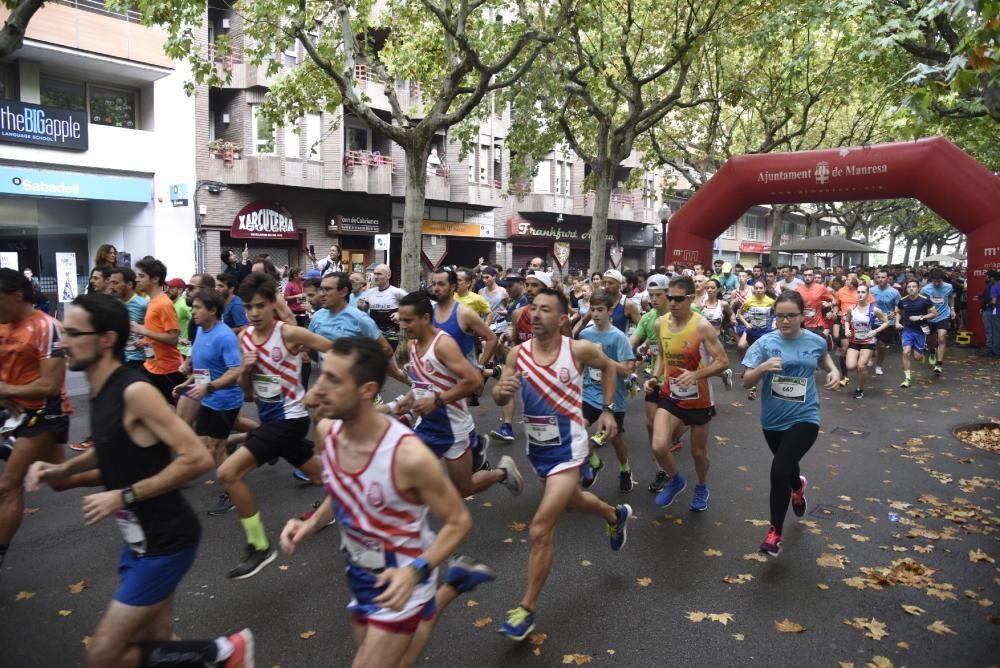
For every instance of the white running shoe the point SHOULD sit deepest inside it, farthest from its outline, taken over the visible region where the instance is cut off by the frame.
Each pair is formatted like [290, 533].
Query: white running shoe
[878, 371]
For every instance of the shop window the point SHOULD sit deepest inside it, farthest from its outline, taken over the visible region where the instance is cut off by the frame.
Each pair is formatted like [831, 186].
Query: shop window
[112, 106]
[292, 141]
[263, 132]
[63, 94]
[314, 136]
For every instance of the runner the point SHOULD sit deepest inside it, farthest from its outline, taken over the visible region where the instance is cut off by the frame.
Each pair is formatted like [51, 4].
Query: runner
[757, 317]
[495, 296]
[99, 276]
[625, 314]
[234, 315]
[886, 298]
[442, 378]
[863, 333]
[382, 481]
[546, 370]
[144, 453]
[846, 299]
[271, 367]
[914, 311]
[383, 304]
[786, 361]
[713, 308]
[214, 382]
[818, 300]
[615, 345]
[464, 293]
[160, 327]
[942, 295]
[33, 385]
[176, 288]
[690, 353]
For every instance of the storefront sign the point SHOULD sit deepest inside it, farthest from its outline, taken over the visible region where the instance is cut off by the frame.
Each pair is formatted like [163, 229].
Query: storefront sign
[77, 185]
[560, 251]
[522, 228]
[450, 229]
[644, 236]
[263, 220]
[49, 127]
[339, 224]
[754, 247]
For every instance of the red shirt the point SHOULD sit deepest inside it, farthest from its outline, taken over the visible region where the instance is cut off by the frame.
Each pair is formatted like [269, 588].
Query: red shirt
[814, 295]
[292, 292]
[23, 346]
[161, 317]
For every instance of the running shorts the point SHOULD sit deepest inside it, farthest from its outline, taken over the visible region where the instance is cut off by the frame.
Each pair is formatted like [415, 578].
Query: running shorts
[689, 416]
[592, 413]
[281, 438]
[215, 424]
[145, 581]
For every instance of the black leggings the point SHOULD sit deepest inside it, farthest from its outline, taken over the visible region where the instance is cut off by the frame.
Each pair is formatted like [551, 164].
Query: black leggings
[789, 447]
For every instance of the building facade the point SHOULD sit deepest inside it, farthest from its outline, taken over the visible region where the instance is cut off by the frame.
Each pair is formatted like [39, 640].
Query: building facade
[97, 147]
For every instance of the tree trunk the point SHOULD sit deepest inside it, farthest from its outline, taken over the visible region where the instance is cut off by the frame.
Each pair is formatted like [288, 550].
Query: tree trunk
[892, 246]
[906, 255]
[604, 181]
[777, 217]
[413, 215]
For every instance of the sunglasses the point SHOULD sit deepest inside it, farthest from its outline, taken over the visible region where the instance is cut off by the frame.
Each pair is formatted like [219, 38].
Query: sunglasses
[677, 299]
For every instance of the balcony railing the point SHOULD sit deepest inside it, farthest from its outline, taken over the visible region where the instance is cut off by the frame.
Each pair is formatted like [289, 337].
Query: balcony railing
[226, 60]
[367, 159]
[97, 7]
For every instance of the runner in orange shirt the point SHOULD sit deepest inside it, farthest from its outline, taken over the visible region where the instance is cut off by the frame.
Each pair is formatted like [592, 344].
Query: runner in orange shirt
[818, 299]
[161, 329]
[33, 388]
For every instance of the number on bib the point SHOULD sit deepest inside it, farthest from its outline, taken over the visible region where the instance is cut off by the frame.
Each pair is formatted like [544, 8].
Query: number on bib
[789, 388]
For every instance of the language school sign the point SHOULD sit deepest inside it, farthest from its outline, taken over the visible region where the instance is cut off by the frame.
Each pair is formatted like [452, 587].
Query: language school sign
[49, 127]
[263, 220]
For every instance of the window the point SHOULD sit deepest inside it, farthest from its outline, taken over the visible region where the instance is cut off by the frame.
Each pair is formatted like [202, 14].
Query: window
[543, 180]
[568, 179]
[753, 227]
[484, 164]
[357, 138]
[314, 136]
[112, 106]
[263, 133]
[730, 232]
[293, 147]
[63, 94]
[559, 173]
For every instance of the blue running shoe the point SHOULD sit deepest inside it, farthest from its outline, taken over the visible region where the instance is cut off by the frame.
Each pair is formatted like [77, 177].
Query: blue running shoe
[299, 475]
[700, 500]
[520, 622]
[465, 574]
[504, 433]
[618, 532]
[671, 489]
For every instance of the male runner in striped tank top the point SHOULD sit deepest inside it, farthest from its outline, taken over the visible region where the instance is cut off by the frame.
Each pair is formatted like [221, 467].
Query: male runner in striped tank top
[690, 354]
[271, 352]
[381, 482]
[441, 379]
[547, 372]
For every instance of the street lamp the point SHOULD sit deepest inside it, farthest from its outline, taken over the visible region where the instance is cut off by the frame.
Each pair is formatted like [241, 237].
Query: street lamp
[664, 214]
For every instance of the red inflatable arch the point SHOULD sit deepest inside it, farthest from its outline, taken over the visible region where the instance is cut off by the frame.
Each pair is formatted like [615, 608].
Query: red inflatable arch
[932, 170]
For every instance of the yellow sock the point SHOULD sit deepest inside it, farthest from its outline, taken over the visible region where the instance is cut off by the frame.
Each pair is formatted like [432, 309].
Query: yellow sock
[907, 374]
[254, 529]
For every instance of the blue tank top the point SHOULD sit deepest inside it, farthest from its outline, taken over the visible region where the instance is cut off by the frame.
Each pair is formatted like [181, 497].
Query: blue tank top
[618, 317]
[451, 326]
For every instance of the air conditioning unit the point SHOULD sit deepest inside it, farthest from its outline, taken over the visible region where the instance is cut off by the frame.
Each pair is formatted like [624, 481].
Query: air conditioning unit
[397, 225]
[225, 24]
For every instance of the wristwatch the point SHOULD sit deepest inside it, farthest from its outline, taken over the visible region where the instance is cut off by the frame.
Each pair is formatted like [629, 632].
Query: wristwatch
[422, 568]
[438, 401]
[128, 497]
[609, 408]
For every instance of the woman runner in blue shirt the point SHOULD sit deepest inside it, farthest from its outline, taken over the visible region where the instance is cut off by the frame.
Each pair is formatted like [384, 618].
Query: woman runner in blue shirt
[786, 361]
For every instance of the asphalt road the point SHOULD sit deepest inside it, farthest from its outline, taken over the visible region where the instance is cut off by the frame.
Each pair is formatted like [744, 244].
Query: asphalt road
[888, 481]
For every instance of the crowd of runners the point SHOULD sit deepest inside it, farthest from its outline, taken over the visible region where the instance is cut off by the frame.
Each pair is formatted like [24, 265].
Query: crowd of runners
[172, 363]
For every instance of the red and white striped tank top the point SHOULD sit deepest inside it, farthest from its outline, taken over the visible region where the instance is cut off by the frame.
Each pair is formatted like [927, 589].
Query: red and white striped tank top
[276, 378]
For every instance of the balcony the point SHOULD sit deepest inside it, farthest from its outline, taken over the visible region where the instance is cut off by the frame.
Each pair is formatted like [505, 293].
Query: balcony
[87, 26]
[485, 194]
[623, 206]
[438, 186]
[533, 202]
[270, 169]
[369, 172]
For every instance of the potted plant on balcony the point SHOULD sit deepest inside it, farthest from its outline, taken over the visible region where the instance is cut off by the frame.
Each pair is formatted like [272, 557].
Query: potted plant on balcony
[229, 150]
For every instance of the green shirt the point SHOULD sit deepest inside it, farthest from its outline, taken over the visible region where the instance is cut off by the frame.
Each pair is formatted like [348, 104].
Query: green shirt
[183, 320]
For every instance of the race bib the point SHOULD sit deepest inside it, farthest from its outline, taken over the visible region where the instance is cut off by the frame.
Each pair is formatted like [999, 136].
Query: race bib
[422, 390]
[809, 313]
[543, 430]
[595, 374]
[132, 344]
[266, 388]
[201, 376]
[654, 349]
[362, 551]
[937, 300]
[789, 388]
[682, 393]
[131, 530]
[148, 350]
[926, 329]
[760, 318]
[13, 422]
[862, 330]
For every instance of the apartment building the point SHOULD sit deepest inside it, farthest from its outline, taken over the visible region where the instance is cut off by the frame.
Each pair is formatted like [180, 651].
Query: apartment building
[97, 147]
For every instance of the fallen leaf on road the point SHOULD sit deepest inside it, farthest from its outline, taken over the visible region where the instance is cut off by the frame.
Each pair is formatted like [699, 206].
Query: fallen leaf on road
[482, 623]
[873, 628]
[65, 613]
[845, 664]
[879, 662]
[743, 469]
[87, 640]
[857, 582]
[537, 639]
[487, 504]
[508, 540]
[822, 586]
[283, 567]
[739, 636]
[723, 617]
[517, 526]
[923, 550]
[712, 553]
[835, 546]
[902, 644]
[471, 604]
[610, 651]
[644, 582]
[29, 510]
[578, 659]
[755, 556]
[742, 578]
[845, 525]
[860, 538]
[585, 563]
[306, 635]
[913, 610]
[722, 440]
[24, 595]
[696, 616]
[209, 482]
[942, 594]
[77, 587]
[828, 560]
[537, 651]
[940, 628]
[980, 556]
[985, 602]
[759, 523]
[788, 626]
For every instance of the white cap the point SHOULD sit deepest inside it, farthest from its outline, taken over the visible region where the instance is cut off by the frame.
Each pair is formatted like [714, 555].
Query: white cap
[657, 282]
[543, 277]
[614, 275]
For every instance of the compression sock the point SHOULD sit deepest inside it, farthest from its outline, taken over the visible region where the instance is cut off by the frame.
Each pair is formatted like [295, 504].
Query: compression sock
[906, 374]
[624, 468]
[254, 528]
[178, 652]
[595, 461]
